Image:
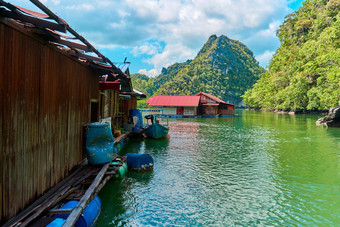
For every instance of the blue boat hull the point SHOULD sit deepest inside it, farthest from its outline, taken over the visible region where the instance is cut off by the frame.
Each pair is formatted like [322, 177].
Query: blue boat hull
[156, 131]
[88, 217]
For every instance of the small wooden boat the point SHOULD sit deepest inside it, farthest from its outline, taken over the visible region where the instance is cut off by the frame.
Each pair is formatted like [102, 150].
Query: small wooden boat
[156, 130]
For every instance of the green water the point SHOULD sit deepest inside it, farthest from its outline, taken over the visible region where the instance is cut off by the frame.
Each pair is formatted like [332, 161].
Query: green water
[253, 169]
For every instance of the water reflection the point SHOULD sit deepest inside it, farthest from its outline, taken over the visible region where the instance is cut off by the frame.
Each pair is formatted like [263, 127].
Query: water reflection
[253, 169]
[306, 162]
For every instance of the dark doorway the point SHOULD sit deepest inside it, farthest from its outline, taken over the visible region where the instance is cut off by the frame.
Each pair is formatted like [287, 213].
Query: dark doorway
[180, 110]
[94, 111]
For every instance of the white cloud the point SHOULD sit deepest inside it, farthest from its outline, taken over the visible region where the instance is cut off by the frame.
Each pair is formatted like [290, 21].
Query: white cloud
[271, 30]
[81, 7]
[55, 2]
[149, 49]
[182, 26]
[105, 46]
[173, 52]
[150, 73]
[265, 57]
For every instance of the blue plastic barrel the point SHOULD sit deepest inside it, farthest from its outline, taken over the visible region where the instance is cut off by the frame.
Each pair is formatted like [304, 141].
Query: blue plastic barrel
[99, 143]
[58, 222]
[88, 216]
[139, 162]
[138, 114]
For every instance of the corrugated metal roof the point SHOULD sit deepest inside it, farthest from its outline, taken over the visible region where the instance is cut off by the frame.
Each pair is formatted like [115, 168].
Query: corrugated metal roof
[123, 66]
[32, 13]
[174, 100]
[138, 92]
[44, 21]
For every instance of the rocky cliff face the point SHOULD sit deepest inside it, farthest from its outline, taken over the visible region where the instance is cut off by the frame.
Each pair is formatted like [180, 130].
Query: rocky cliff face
[332, 119]
[224, 67]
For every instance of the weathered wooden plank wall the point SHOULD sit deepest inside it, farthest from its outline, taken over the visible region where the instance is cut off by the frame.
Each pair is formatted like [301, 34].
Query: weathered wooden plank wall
[210, 110]
[127, 105]
[226, 112]
[109, 105]
[44, 103]
[2, 69]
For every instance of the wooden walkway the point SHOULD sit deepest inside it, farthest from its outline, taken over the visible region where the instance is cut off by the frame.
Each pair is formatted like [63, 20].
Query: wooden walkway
[82, 184]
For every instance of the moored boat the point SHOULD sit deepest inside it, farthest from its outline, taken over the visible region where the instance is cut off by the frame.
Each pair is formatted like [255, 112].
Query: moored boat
[156, 130]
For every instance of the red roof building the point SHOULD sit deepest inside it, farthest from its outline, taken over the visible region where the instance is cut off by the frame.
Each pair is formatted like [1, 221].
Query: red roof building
[213, 106]
[200, 104]
[175, 100]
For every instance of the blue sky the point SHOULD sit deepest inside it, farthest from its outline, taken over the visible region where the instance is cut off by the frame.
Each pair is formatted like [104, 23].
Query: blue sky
[157, 33]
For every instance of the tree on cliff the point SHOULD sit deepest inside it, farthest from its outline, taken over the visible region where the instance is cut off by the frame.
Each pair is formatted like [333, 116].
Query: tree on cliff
[304, 73]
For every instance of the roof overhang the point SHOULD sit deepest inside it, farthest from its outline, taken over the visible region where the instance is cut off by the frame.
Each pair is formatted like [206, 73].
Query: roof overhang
[125, 96]
[211, 104]
[109, 85]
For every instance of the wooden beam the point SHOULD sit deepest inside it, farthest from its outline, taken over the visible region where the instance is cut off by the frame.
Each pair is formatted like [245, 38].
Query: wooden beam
[48, 12]
[73, 32]
[35, 21]
[103, 183]
[85, 200]
[88, 57]
[69, 192]
[60, 211]
[111, 173]
[71, 44]
[44, 206]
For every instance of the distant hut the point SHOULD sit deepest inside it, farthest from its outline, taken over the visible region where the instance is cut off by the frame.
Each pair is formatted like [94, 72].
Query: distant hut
[176, 105]
[210, 105]
[201, 104]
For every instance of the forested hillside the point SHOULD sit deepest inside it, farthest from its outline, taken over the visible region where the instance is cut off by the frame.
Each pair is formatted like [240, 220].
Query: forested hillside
[305, 70]
[224, 67]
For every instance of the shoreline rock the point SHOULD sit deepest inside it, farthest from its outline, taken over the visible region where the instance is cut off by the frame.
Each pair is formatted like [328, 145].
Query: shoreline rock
[332, 119]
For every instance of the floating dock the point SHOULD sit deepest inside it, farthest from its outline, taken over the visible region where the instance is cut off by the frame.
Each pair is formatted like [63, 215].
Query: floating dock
[82, 185]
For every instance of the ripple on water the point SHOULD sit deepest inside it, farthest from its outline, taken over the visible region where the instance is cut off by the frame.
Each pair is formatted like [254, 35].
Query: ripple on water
[223, 172]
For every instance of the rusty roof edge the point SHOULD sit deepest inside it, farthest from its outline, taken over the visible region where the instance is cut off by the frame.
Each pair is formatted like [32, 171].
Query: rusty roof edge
[61, 22]
[48, 12]
[73, 32]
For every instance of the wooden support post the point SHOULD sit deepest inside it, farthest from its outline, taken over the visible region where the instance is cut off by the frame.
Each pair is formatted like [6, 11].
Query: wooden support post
[60, 211]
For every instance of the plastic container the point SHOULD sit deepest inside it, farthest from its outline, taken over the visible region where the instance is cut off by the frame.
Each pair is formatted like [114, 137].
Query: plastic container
[121, 171]
[99, 143]
[139, 162]
[139, 125]
[88, 217]
[58, 222]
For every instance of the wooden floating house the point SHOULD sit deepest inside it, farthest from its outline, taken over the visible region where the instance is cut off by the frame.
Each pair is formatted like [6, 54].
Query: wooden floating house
[201, 104]
[52, 83]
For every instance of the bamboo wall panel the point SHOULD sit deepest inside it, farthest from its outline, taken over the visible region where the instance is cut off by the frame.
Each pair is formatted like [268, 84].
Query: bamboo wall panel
[45, 101]
[210, 110]
[2, 71]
